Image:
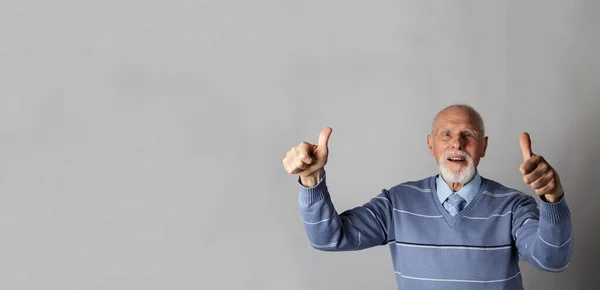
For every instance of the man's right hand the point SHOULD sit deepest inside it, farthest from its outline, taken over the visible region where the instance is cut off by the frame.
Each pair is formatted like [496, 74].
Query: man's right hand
[308, 160]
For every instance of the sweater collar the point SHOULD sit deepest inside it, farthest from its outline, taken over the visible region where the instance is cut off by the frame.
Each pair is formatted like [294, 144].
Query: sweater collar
[467, 192]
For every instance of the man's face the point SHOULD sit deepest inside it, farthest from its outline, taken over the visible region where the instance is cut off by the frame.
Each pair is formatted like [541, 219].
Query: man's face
[456, 132]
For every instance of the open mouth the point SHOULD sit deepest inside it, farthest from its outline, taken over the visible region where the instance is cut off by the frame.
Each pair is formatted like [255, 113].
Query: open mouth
[457, 159]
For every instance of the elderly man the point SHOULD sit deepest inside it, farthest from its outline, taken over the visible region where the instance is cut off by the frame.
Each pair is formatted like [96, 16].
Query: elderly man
[454, 230]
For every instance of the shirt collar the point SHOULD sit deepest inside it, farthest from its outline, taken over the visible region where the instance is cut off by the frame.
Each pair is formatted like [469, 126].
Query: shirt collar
[467, 192]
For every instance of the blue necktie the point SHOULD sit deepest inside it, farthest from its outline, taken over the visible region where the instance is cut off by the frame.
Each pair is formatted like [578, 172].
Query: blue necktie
[454, 204]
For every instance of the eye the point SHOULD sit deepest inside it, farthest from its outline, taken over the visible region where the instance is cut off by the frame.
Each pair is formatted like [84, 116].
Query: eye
[468, 134]
[446, 134]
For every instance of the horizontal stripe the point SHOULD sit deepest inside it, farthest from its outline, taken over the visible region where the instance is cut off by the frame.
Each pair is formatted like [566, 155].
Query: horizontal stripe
[318, 222]
[549, 268]
[383, 199]
[465, 247]
[324, 246]
[458, 280]
[500, 194]
[416, 214]
[551, 245]
[417, 188]
[525, 222]
[485, 218]
[371, 212]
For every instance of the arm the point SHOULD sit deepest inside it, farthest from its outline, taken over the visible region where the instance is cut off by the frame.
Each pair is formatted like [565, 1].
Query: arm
[359, 228]
[543, 237]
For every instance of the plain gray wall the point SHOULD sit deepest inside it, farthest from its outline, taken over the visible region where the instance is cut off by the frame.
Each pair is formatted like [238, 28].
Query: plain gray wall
[142, 140]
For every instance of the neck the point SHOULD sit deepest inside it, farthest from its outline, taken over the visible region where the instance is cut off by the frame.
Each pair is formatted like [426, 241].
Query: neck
[456, 186]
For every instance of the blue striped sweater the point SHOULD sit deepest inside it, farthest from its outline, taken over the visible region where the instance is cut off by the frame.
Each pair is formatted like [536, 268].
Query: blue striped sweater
[477, 249]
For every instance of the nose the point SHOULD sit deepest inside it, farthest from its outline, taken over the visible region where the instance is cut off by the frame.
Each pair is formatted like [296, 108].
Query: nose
[458, 142]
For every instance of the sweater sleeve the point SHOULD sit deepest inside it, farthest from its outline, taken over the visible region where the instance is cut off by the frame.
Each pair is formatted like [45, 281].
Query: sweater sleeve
[355, 229]
[543, 237]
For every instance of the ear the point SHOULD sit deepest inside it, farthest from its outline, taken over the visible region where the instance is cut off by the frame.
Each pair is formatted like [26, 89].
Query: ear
[430, 144]
[485, 142]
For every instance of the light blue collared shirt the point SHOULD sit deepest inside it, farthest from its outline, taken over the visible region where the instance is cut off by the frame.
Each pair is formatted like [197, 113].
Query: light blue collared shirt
[468, 191]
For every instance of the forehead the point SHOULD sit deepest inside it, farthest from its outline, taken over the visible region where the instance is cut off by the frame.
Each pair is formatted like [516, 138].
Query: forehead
[456, 118]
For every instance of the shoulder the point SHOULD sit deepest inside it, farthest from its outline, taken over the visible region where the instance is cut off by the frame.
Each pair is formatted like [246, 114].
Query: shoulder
[496, 189]
[422, 185]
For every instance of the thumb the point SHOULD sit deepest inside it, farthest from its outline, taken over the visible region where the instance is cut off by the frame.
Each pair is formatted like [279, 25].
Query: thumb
[324, 138]
[525, 142]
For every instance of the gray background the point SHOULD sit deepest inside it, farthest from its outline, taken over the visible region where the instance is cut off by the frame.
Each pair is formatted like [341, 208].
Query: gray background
[142, 140]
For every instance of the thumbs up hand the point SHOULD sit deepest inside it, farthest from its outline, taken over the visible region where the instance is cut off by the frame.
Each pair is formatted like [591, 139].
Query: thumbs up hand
[538, 173]
[308, 160]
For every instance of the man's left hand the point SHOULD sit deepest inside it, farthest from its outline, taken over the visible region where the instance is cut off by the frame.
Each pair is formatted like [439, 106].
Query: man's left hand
[538, 173]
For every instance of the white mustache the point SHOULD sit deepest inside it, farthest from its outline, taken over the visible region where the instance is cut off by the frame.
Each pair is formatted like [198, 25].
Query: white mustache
[464, 154]
[456, 152]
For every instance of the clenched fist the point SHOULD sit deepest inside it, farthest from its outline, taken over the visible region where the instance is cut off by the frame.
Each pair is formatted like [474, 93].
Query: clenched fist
[308, 160]
[538, 173]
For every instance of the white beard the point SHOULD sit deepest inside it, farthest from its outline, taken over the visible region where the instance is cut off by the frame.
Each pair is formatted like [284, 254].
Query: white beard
[461, 175]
